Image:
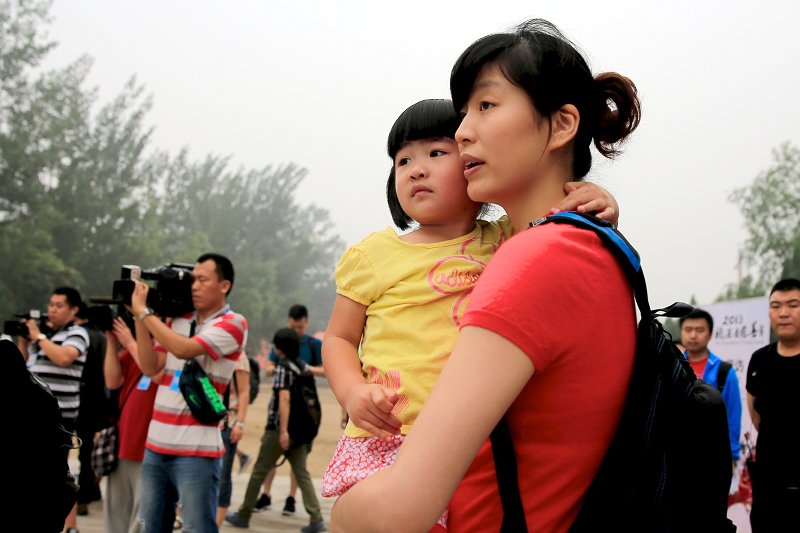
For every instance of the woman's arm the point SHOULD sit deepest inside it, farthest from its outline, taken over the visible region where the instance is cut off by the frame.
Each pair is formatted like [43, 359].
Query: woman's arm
[368, 404]
[112, 369]
[484, 375]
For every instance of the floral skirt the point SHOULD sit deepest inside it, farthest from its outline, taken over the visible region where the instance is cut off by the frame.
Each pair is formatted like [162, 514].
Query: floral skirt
[357, 458]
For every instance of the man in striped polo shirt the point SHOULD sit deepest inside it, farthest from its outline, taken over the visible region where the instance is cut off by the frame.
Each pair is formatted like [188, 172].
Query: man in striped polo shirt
[58, 359]
[182, 455]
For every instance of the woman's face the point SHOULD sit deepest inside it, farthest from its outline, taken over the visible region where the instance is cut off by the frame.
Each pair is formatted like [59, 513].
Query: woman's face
[501, 139]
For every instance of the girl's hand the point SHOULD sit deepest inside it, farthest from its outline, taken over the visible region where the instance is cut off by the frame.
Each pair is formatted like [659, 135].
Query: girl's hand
[370, 408]
[283, 439]
[587, 197]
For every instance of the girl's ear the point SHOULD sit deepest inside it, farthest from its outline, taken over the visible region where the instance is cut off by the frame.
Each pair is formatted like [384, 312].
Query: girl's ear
[565, 122]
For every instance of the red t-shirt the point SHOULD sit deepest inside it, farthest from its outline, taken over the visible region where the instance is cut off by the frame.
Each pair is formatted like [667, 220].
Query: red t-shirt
[137, 409]
[558, 294]
[699, 367]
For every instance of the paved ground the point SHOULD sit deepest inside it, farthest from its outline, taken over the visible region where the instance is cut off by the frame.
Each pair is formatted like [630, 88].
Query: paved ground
[266, 521]
[270, 520]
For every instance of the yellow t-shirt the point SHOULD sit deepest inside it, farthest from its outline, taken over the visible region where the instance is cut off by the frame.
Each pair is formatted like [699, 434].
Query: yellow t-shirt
[415, 295]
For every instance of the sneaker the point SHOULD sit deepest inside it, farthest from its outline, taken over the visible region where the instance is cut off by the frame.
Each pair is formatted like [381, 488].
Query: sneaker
[263, 503]
[314, 528]
[244, 460]
[72, 530]
[288, 507]
[83, 509]
[237, 521]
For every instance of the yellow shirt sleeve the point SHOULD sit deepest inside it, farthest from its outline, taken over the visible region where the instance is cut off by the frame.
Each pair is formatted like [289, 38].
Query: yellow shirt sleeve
[356, 278]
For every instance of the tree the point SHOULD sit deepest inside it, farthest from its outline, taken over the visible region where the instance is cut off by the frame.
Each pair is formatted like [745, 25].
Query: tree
[771, 209]
[82, 192]
[66, 176]
[284, 253]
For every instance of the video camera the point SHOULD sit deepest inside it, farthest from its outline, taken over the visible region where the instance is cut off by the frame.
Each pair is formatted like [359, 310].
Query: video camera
[170, 296]
[20, 329]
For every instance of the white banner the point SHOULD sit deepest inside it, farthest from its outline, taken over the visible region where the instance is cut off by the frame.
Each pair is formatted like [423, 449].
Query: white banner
[740, 328]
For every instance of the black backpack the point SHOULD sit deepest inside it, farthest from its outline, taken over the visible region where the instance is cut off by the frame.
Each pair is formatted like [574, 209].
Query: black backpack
[668, 468]
[305, 411]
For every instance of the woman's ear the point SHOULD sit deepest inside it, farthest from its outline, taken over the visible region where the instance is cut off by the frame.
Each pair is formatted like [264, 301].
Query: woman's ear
[565, 122]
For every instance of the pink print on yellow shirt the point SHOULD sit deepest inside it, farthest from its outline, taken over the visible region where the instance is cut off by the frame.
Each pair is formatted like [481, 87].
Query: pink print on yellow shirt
[450, 276]
[392, 380]
[456, 274]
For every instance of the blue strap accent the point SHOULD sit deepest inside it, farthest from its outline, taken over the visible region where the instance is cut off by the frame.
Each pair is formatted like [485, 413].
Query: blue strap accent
[609, 231]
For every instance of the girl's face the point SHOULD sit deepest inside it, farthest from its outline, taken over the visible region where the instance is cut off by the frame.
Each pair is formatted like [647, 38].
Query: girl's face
[502, 139]
[429, 180]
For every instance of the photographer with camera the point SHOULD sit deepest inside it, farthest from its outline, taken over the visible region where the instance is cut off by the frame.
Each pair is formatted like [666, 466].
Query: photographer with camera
[182, 455]
[58, 360]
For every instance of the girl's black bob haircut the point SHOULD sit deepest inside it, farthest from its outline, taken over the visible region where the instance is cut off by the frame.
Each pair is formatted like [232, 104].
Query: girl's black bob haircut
[427, 119]
[537, 58]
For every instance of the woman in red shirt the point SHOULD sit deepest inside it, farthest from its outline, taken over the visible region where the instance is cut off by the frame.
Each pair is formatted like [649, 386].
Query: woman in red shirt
[549, 335]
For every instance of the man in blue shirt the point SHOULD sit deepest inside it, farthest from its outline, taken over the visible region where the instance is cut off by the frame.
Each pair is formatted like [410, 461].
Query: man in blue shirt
[696, 330]
[311, 355]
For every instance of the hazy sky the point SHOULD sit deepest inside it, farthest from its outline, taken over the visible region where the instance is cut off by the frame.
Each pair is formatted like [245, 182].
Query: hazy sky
[320, 84]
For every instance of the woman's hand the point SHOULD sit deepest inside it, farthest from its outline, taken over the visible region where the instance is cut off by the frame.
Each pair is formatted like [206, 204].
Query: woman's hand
[586, 197]
[370, 408]
[122, 332]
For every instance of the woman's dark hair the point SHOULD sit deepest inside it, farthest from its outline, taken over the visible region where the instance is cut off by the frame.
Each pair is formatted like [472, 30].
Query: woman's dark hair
[427, 119]
[538, 59]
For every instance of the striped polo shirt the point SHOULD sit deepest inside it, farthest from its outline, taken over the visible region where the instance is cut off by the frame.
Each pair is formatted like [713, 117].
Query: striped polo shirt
[173, 430]
[64, 381]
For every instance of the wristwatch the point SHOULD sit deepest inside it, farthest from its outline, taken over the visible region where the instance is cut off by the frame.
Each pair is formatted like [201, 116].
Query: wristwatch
[144, 314]
[41, 337]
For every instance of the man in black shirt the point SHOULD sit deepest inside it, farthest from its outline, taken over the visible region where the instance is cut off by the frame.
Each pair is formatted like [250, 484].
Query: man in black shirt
[773, 399]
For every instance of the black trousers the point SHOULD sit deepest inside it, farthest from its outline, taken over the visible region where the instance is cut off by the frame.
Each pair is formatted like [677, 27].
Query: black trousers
[89, 490]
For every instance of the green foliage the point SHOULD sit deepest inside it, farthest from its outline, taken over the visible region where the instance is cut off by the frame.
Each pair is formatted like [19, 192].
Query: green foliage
[771, 209]
[746, 288]
[82, 193]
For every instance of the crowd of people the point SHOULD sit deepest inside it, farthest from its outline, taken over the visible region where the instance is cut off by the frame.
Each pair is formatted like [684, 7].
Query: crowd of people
[436, 334]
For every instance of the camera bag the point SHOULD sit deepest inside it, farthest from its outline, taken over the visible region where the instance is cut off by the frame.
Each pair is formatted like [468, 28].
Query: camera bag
[200, 395]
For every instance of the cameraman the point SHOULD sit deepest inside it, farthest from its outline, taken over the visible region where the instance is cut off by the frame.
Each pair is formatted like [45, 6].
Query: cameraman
[58, 360]
[182, 455]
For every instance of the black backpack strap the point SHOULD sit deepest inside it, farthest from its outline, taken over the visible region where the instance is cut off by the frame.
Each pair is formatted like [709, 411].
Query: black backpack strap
[505, 461]
[722, 375]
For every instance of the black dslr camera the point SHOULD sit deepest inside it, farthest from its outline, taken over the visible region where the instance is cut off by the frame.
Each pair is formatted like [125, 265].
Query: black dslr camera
[20, 329]
[170, 296]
